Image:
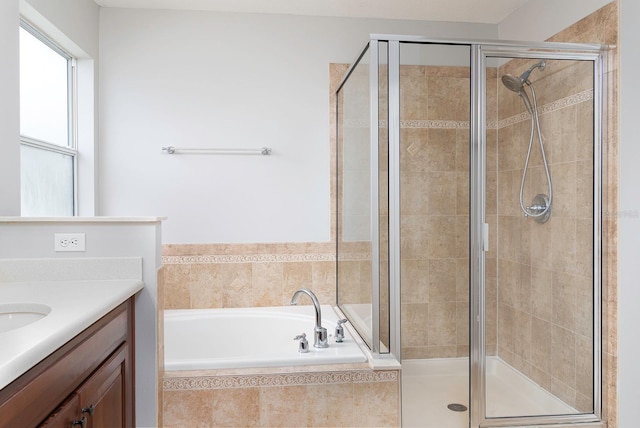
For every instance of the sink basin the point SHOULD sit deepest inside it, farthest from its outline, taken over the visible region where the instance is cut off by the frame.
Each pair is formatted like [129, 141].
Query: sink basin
[16, 315]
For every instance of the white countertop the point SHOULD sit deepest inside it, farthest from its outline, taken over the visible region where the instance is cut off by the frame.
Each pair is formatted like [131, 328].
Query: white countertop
[75, 306]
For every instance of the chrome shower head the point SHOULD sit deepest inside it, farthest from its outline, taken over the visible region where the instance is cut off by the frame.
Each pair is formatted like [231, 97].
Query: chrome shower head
[516, 84]
[513, 83]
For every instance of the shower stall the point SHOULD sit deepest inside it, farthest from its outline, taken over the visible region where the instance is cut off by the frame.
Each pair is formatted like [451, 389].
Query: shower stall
[469, 225]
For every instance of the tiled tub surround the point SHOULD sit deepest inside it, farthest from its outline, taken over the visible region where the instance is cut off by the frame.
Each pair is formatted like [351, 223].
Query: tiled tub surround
[349, 397]
[249, 275]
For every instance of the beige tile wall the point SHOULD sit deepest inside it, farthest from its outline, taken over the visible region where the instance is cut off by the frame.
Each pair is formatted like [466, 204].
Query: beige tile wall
[434, 212]
[246, 275]
[545, 271]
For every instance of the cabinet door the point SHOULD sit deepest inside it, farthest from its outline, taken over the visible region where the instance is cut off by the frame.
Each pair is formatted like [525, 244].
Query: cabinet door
[65, 416]
[103, 396]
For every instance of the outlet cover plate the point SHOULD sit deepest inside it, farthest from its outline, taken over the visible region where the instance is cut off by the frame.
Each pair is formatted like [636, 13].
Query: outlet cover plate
[69, 241]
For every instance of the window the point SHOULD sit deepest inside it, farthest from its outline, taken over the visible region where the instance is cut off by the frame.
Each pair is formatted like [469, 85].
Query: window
[48, 155]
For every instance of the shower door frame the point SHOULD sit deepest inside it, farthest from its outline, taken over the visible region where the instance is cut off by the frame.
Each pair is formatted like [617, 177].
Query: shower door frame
[478, 234]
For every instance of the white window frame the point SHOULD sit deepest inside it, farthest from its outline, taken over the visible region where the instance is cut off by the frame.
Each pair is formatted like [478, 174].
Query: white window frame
[72, 108]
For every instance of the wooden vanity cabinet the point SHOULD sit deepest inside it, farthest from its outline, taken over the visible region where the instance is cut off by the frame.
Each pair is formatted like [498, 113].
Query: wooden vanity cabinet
[102, 395]
[88, 382]
[66, 415]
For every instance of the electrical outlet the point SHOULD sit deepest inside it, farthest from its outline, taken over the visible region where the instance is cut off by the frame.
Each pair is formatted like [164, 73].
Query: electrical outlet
[69, 241]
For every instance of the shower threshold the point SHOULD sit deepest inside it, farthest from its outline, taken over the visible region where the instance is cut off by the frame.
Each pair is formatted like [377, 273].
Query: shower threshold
[430, 385]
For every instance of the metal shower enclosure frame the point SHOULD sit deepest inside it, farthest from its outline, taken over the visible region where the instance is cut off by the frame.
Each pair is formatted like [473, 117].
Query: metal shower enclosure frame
[480, 52]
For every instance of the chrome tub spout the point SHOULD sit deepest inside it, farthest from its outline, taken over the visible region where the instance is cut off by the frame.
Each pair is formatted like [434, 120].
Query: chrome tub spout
[320, 333]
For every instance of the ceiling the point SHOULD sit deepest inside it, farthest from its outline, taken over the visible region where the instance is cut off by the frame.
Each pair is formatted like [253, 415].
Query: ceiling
[480, 11]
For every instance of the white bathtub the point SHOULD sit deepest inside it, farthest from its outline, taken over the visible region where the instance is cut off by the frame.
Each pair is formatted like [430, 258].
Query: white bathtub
[197, 339]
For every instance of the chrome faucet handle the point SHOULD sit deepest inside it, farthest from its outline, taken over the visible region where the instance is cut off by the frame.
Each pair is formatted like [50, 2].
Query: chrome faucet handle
[537, 208]
[340, 330]
[303, 346]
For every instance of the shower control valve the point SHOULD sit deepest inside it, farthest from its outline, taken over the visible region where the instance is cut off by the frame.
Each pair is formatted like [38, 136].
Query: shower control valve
[303, 346]
[340, 330]
[540, 209]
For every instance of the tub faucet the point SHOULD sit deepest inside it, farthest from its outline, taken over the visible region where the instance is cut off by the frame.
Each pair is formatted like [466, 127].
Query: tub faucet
[320, 336]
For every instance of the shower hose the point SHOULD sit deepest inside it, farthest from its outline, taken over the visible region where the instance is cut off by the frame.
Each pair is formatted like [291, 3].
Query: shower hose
[535, 126]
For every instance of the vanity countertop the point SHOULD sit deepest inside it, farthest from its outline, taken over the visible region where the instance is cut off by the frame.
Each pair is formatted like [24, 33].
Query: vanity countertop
[75, 305]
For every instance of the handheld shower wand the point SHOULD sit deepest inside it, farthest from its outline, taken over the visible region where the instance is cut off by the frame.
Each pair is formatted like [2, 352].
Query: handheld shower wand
[525, 76]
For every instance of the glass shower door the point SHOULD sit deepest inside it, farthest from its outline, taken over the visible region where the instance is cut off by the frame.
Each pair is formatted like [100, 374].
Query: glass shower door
[541, 264]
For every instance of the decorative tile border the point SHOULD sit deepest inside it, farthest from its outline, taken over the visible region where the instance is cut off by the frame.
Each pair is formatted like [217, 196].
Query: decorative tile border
[433, 124]
[351, 257]
[247, 258]
[416, 124]
[261, 258]
[453, 124]
[271, 380]
[549, 108]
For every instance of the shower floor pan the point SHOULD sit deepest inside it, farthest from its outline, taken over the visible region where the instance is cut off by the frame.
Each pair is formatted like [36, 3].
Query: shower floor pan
[429, 386]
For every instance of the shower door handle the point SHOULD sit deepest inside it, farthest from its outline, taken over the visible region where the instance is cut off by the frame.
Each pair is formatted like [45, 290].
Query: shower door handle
[485, 237]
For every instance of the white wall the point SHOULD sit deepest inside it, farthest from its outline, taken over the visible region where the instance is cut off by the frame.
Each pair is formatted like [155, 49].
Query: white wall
[9, 109]
[629, 222]
[73, 23]
[540, 19]
[204, 79]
